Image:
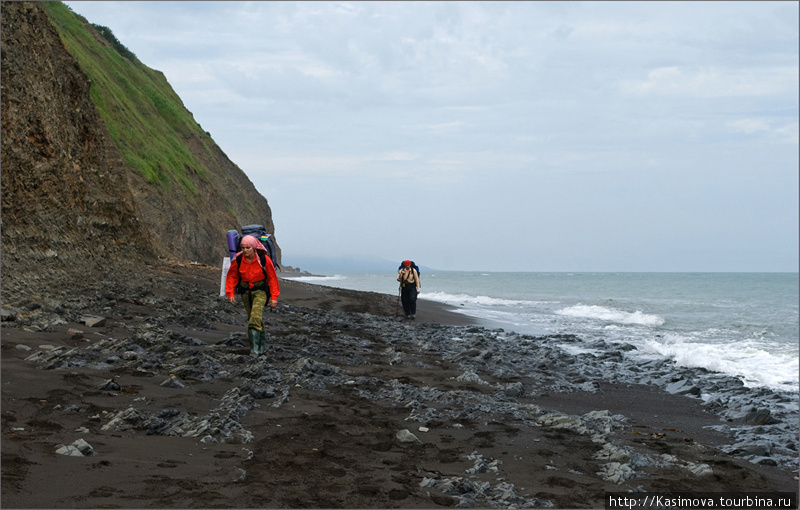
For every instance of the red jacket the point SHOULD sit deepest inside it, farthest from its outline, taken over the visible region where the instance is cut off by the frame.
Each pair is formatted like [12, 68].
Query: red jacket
[252, 273]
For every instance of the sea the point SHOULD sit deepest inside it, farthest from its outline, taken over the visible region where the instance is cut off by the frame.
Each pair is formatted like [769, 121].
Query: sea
[740, 324]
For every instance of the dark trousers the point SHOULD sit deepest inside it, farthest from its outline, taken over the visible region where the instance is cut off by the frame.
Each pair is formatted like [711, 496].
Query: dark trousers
[408, 295]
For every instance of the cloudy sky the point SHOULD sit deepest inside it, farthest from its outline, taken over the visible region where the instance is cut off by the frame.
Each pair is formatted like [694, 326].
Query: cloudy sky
[518, 136]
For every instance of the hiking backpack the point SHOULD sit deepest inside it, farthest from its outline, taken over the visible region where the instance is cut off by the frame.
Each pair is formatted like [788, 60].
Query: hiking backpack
[260, 233]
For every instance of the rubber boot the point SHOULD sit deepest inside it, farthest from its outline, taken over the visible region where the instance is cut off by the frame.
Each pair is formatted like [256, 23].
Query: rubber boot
[262, 342]
[252, 335]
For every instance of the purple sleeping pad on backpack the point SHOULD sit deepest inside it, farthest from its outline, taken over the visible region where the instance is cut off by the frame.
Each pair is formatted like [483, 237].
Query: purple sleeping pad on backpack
[233, 243]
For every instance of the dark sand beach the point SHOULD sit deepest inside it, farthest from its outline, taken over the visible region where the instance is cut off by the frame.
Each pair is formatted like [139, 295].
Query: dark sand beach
[161, 407]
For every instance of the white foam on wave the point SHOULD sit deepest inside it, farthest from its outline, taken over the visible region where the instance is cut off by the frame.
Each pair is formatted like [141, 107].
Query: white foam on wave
[747, 359]
[611, 315]
[316, 279]
[444, 297]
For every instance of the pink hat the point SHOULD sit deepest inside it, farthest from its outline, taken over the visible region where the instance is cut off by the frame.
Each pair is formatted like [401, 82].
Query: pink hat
[254, 243]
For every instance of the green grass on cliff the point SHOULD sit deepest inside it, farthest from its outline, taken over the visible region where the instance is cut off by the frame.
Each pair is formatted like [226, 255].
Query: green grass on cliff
[145, 117]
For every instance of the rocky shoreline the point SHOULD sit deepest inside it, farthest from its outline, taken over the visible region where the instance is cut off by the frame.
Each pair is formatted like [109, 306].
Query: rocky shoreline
[143, 395]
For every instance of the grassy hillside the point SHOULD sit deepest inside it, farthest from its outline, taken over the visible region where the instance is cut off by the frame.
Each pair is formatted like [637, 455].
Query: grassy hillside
[146, 119]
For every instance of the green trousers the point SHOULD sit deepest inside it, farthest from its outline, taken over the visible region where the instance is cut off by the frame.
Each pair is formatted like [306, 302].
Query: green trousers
[254, 303]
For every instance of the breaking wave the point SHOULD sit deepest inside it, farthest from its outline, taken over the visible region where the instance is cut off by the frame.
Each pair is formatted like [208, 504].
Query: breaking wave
[444, 297]
[611, 315]
[316, 279]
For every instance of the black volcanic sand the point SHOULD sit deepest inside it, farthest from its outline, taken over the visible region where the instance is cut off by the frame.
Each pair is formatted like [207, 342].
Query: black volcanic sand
[175, 414]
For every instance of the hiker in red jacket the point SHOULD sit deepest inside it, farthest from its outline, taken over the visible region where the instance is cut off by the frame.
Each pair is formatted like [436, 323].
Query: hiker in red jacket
[253, 275]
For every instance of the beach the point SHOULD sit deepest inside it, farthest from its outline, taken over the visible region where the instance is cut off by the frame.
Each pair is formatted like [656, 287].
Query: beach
[141, 394]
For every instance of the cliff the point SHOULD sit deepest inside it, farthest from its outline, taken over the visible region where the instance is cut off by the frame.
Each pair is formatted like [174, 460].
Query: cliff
[103, 167]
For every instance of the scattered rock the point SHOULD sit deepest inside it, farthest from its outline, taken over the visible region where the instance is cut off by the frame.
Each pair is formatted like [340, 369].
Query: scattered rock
[172, 382]
[756, 448]
[699, 469]
[481, 465]
[93, 321]
[760, 417]
[470, 377]
[109, 385]
[514, 390]
[78, 448]
[616, 472]
[406, 436]
[683, 387]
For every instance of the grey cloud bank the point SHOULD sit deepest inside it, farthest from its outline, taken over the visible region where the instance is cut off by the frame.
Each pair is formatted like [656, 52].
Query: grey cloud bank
[537, 136]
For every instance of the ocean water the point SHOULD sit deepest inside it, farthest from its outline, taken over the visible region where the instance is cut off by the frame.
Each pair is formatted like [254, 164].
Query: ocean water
[740, 324]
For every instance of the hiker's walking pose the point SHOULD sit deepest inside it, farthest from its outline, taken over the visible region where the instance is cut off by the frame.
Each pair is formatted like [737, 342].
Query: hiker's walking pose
[253, 276]
[409, 288]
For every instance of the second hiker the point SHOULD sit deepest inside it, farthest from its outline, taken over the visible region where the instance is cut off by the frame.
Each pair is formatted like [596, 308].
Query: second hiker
[253, 275]
[409, 288]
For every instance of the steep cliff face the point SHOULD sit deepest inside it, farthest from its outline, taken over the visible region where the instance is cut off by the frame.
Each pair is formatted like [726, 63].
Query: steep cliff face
[66, 205]
[73, 199]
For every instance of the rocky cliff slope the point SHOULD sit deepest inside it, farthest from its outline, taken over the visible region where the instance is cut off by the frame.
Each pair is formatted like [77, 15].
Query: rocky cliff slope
[79, 195]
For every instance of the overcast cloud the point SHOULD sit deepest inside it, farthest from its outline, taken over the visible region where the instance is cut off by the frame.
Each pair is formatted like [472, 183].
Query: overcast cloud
[533, 136]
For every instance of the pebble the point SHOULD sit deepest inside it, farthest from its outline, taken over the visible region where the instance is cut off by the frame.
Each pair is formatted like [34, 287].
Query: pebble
[92, 321]
[172, 382]
[78, 448]
[109, 385]
[405, 436]
[699, 469]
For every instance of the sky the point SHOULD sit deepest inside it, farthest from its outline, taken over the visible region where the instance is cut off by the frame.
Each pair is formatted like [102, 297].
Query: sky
[498, 136]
